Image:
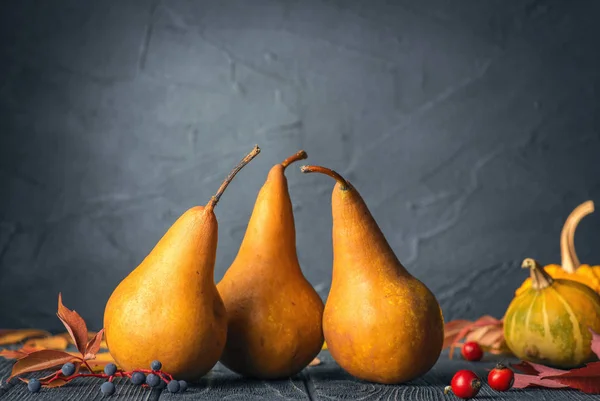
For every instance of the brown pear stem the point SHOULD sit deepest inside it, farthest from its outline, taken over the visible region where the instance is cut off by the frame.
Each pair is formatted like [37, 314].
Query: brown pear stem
[539, 278]
[569, 260]
[324, 170]
[300, 155]
[215, 199]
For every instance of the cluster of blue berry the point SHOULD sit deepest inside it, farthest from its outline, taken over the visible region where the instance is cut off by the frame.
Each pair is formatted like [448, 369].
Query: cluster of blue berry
[155, 378]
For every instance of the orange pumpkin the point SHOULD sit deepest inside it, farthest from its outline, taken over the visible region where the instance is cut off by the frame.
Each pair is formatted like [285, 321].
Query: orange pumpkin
[570, 267]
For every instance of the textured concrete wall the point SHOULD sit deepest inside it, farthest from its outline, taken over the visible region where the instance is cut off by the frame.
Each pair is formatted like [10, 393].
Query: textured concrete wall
[470, 128]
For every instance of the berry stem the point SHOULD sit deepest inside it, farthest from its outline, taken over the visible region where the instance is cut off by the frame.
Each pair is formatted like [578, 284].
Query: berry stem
[300, 155]
[324, 170]
[215, 199]
[166, 377]
[87, 365]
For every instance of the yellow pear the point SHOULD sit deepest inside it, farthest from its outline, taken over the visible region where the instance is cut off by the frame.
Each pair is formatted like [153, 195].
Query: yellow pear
[381, 324]
[275, 315]
[168, 308]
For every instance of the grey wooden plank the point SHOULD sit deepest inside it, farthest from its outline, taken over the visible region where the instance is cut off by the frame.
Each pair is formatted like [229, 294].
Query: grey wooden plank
[329, 382]
[87, 388]
[5, 368]
[222, 383]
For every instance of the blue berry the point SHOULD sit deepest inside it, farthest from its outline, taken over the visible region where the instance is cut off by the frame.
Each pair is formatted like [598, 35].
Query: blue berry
[138, 378]
[153, 380]
[34, 385]
[108, 388]
[110, 369]
[173, 386]
[182, 386]
[155, 365]
[68, 369]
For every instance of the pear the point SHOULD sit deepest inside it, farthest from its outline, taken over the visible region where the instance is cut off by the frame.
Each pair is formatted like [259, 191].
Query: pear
[275, 315]
[168, 308]
[381, 324]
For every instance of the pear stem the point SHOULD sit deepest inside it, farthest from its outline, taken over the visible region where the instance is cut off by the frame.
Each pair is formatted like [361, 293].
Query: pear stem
[215, 199]
[294, 158]
[324, 170]
[539, 278]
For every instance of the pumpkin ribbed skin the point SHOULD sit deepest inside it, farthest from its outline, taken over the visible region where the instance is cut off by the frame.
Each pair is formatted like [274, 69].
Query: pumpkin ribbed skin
[585, 274]
[550, 325]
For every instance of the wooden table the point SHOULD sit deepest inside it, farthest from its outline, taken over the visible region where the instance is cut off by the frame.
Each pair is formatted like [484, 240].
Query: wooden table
[323, 382]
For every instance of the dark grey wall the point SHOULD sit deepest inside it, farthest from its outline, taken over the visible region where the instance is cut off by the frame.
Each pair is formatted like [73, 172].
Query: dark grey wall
[470, 128]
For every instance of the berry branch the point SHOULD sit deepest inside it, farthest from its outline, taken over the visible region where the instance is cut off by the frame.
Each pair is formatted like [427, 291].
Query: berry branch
[145, 377]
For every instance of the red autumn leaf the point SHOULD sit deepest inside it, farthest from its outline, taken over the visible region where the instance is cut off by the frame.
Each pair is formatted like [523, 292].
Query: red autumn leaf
[535, 375]
[595, 342]
[524, 381]
[537, 369]
[586, 379]
[524, 367]
[40, 360]
[75, 325]
[93, 346]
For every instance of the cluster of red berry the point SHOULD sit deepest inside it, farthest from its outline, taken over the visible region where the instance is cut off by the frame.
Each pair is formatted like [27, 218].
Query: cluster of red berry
[466, 384]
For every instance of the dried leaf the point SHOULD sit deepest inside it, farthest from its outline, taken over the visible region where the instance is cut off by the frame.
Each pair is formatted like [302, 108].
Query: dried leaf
[451, 330]
[16, 336]
[74, 324]
[40, 360]
[54, 342]
[93, 346]
[487, 330]
[315, 362]
[490, 338]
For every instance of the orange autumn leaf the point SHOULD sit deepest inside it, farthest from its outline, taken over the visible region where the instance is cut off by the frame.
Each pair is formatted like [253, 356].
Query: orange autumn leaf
[74, 324]
[54, 342]
[58, 382]
[8, 336]
[93, 346]
[16, 353]
[315, 362]
[41, 360]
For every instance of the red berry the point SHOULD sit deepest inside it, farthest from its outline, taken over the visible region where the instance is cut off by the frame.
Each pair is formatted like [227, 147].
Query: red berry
[465, 384]
[501, 378]
[471, 351]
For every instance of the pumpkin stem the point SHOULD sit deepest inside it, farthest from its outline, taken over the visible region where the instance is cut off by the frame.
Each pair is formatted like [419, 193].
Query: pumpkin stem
[539, 278]
[570, 261]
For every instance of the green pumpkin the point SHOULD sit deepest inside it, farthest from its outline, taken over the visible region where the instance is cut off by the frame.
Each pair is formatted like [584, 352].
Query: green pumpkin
[549, 322]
